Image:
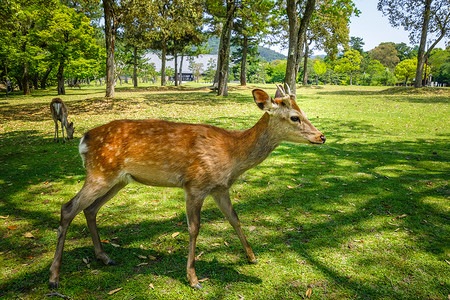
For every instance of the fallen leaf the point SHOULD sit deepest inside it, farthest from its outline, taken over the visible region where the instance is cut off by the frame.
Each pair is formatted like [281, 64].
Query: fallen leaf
[142, 264]
[29, 257]
[179, 223]
[226, 244]
[142, 257]
[151, 257]
[175, 234]
[28, 235]
[114, 291]
[114, 245]
[203, 279]
[3, 217]
[251, 228]
[402, 216]
[151, 286]
[12, 227]
[105, 241]
[341, 211]
[308, 293]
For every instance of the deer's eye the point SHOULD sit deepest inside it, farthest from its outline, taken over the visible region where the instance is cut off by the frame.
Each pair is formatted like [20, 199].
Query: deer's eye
[295, 119]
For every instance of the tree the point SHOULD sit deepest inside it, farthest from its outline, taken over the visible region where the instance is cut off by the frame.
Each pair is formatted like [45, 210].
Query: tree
[440, 65]
[21, 47]
[68, 37]
[251, 22]
[276, 71]
[406, 69]
[299, 15]
[405, 52]
[386, 54]
[428, 21]
[210, 71]
[224, 48]
[329, 26]
[357, 43]
[112, 16]
[349, 63]
[320, 68]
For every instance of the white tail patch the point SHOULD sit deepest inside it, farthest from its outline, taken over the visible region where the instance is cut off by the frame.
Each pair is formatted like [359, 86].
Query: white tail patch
[57, 107]
[83, 149]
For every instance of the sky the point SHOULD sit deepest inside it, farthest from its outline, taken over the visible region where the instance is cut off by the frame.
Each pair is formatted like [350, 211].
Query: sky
[372, 27]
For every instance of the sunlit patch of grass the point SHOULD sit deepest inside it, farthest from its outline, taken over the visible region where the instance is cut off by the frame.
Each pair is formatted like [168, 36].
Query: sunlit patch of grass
[365, 215]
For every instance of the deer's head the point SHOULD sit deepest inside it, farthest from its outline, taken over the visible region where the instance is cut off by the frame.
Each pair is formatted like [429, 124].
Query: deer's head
[290, 121]
[70, 130]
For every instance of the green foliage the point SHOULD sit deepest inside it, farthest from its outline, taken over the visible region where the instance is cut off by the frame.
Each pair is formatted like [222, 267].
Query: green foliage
[276, 71]
[357, 43]
[406, 70]
[348, 63]
[440, 65]
[386, 54]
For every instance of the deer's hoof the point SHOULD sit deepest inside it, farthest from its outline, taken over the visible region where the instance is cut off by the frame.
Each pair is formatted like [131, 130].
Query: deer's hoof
[111, 262]
[197, 286]
[53, 285]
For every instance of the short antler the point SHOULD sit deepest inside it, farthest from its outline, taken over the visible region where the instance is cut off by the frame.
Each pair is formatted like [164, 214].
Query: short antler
[287, 89]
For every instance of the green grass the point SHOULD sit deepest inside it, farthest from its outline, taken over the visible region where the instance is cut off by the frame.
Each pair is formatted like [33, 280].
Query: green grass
[364, 216]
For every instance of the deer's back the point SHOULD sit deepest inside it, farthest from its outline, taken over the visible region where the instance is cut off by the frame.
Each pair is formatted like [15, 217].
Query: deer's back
[161, 153]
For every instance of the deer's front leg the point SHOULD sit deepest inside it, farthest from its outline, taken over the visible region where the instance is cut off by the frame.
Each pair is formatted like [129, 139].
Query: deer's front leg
[222, 198]
[193, 208]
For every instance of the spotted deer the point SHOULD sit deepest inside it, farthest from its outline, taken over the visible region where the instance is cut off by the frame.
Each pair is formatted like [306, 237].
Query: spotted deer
[202, 159]
[59, 113]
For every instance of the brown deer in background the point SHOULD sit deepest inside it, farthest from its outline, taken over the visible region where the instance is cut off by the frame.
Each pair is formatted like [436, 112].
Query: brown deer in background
[59, 113]
[202, 159]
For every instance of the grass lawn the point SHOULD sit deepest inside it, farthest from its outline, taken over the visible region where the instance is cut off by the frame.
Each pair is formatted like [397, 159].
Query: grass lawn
[364, 216]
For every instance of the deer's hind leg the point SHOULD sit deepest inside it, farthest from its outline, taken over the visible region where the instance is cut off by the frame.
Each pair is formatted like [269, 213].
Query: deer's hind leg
[56, 136]
[90, 192]
[91, 217]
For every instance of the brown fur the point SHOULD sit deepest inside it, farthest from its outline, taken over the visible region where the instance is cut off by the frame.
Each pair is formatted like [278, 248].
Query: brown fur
[202, 159]
[59, 113]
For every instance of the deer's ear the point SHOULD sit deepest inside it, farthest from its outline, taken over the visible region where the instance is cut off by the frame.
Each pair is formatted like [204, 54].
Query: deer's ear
[262, 99]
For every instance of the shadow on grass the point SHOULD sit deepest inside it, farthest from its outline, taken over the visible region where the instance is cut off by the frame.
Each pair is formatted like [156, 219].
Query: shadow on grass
[375, 174]
[41, 111]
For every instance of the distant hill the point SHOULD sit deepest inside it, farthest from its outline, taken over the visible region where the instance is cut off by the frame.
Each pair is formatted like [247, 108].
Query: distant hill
[265, 53]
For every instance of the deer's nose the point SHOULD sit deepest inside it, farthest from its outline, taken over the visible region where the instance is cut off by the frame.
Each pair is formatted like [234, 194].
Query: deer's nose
[323, 138]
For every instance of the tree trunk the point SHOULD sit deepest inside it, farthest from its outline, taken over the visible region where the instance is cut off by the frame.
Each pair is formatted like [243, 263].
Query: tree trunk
[163, 64]
[305, 64]
[181, 69]
[135, 82]
[296, 39]
[224, 54]
[25, 80]
[60, 77]
[110, 44]
[423, 41]
[243, 76]
[44, 78]
[175, 56]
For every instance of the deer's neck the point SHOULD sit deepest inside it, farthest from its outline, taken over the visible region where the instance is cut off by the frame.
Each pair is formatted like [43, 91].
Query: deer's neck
[256, 143]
